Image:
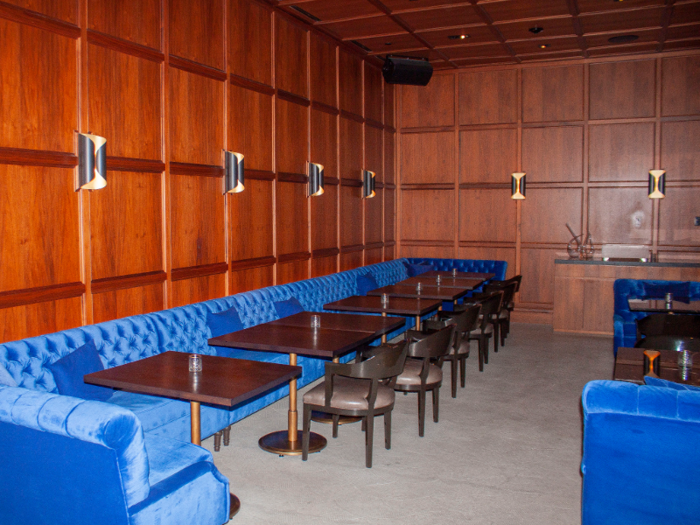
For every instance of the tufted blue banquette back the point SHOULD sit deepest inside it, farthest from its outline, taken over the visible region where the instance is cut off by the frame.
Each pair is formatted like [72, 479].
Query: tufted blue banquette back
[466, 265]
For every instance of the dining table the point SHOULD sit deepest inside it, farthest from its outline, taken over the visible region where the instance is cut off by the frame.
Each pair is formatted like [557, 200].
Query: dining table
[295, 336]
[661, 306]
[372, 304]
[461, 275]
[445, 282]
[401, 290]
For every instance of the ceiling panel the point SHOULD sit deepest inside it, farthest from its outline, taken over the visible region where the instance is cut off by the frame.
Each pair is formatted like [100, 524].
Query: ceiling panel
[594, 6]
[402, 5]
[603, 39]
[518, 9]
[621, 20]
[475, 51]
[551, 56]
[685, 13]
[682, 44]
[551, 45]
[390, 43]
[550, 27]
[678, 32]
[365, 27]
[326, 10]
[444, 17]
[475, 34]
[623, 50]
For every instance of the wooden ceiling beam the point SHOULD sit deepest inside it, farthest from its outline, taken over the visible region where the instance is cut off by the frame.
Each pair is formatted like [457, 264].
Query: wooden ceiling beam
[496, 32]
[578, 28]
[665, 21]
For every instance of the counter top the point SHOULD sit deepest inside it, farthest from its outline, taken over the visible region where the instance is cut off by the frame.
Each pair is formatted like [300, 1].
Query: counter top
[600, 262]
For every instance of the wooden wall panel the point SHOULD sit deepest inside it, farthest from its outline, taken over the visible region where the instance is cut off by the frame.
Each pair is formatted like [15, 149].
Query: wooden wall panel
[389, 157]
[374, 256]
[292, 137]
[389, 215]
[546, 211]
[137, 21]
[350, 149]
[676, 214]
[373, 219]
[350, 83]
[389, 104]
[251, 279]
[292, 271]
[373, 93]
[292, 218]
[324, 266]
[291, 60]
[190, 291]
[37, 66]
[66, 10]
[432, 105]
[126, 228]
[350, 216]
[197, 31]
[537, 269]
[680, 155]
[324, 219]
[681, 78]
[250, 40]
[621, 152]
[350, 261]
[438, 252]
[619, 215]
[124, 105]
[427, 215]
[130, 301]
[250, 127]
[324, 141]
[491, 253]
[389, 253]
[486, 215]
[374, 149]
[488, 97]
[323, 71]
[251, 221]
[553, 94]
[30, 320]
[427, 157]
[488, 155]
[622, 89]
[197, 135]
[39, 247]
[553, 154]
[197, 221]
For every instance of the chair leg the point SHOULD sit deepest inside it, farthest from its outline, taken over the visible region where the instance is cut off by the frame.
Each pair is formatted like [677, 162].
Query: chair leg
[481, 355]
[421, 413]
[387, 430]
[463, 370]
[486, 349]
[502, 328]
[436, 404]
[495, 336]
[217, 441]
[306, 431]
[369, 440]
[227, 436]
[453, 371]
[336, 419]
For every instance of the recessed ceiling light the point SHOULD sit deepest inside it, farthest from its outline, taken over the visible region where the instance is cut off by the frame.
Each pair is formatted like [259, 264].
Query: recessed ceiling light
[623, 39]
[388, 43]
[544, 46]
[458, 37]
[536, 29]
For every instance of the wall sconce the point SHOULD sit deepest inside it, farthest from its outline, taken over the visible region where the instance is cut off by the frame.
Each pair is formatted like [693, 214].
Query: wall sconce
[517, 188]
[657, 184]
[368, 184]
[92, 162]
[234, 176]
[315, 179]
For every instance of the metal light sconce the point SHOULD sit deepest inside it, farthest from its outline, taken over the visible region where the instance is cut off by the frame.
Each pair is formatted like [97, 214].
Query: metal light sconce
[315, 179]
[657, 184]
[368, 184]
[234, 176]
[92, 162]
[517, 188]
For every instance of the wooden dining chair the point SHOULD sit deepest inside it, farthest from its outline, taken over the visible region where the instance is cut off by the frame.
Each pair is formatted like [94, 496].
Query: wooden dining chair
[488, 325]
[503, 316]
[363, 389]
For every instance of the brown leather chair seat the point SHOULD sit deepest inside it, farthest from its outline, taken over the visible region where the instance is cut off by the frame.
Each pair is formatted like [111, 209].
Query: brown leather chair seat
[350, 394]
[411, 374]
[488, 329]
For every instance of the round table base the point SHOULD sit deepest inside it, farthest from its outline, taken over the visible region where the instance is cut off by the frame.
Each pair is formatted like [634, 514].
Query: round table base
[234, 507]
[278, 443]
[323, 417]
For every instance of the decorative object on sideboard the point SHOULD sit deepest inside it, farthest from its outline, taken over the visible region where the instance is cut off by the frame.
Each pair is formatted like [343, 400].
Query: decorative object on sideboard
[517, 191]
[626, 252]
[234, 174]
[368, 184]
[657, 184]
[315, 179]
[580, 247]
[92, 162]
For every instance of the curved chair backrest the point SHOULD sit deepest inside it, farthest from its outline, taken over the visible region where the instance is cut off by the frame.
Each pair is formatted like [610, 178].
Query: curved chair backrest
[490, 306]
[507, 287]
[387, 361]
[435, 345]
[669, 342]
[669, 324]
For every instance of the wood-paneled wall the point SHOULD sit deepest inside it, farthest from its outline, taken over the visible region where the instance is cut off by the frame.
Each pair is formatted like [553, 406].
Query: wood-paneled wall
[171, 84]
[586, 133]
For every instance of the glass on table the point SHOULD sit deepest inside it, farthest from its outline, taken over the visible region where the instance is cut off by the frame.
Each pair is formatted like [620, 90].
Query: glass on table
[438, 280]
[454, 272]
[195, 363]
[385, 300]
[315, 321]
[418, 288]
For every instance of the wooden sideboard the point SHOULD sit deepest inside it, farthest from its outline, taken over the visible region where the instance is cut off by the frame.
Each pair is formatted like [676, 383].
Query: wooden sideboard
[583, 290]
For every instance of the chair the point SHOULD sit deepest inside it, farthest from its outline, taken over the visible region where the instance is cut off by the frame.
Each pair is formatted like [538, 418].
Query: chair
[465, 321]
[669, 342]
[420, 374]
[490, 305]
[668, 324]
[503, 318]
[358, 390]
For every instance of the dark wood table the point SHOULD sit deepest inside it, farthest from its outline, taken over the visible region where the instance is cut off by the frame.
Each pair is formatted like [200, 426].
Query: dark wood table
[370, 304]
[222, 381]
[629, 366]
[459, 275]
[659, 306]
[276, 336]
[428, 292]
[380, 326]
[445, 282]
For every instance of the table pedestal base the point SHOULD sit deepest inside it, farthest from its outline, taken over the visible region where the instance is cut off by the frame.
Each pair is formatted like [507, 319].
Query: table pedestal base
[234, 507]
[323, 417]
[278, 443]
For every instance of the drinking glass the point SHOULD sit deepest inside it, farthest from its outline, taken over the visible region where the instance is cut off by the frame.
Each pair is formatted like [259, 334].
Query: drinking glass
[385, 300]
[315, 322]
[195, 363]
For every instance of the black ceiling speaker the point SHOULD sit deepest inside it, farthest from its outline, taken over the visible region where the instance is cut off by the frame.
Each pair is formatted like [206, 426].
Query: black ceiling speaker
[410, 71]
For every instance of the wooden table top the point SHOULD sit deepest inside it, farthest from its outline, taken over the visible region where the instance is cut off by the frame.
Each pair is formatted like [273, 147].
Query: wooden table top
[659, 306]
[427, 292]
[629, 366]
[445, 282]
[222, 381]
[301, 340]
[460, 275]
[374, 324]
[397, 305]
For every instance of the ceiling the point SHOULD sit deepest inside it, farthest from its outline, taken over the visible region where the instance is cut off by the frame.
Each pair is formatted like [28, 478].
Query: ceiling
[459, 33]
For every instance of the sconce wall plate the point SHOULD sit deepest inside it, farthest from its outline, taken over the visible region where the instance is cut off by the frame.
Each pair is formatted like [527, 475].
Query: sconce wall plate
[368, 184]
[92, 162]
[517, 190]
[657, 184]
[234, 174]
[315, 179]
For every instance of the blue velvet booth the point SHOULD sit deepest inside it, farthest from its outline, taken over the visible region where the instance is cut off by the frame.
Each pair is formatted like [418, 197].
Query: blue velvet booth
[641, 455]
[625, 320]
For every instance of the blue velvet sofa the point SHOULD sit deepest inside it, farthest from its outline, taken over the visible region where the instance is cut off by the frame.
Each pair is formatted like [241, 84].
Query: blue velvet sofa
[624, 320]
[641, 454]
[164, 423]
